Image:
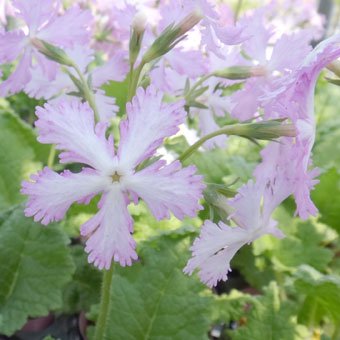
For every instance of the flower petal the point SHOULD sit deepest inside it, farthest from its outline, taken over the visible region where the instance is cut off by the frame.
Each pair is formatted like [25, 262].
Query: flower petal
[110, 231]
[246, 205]
[69, 29]
[11, 45]
[51, 194]
[36, 12]
[213, 250]
[168, 189]
[149, 122]
[70, 125]
[115, 69]
[19, 78]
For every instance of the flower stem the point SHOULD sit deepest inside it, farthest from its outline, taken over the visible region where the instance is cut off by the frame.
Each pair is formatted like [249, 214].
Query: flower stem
[265, 130]
[87, 92]
[134, 79]
[104, 304]
[51, 156]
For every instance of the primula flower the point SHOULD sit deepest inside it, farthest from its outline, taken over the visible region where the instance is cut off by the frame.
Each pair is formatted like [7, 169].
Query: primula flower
[42, 22]
[291, 160]
[164, 188]
[40, 86]
[217, 244]
[247, 101]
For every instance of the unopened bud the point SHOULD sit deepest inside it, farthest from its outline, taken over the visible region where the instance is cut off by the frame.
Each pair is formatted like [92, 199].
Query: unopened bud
[137, 33]
[189, 22]
[217, 197]
[171, 36]
[139, 22]
[268, 130]
[334, 66]
[52, 52]
[240, 72]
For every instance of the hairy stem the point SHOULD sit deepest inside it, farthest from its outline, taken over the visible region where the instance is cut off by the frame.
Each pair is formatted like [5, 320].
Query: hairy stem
[104, 307]
[134, 79]
[87, 92]
[51, 156]
[266, 130]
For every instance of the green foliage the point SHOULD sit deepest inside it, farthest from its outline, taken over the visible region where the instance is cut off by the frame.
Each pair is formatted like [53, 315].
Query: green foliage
[304, 247]
[84, 289]
[327, 198]
[268, 318]
[20, 155]
[119, 91]
[231, 307]
[321, 295]
[35, 264]
[154, 299]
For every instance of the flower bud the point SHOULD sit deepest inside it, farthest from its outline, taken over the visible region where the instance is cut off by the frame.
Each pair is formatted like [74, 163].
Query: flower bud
[189, 22]
[137, 33]
[334, 67]
[267, 130]
[171, 36]
[52, 52]
[240, 72]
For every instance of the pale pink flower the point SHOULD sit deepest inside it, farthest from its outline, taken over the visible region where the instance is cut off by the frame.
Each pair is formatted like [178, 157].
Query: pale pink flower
[56, 89]
[284, 58]
[164, 188]
[291, 160]
[42, 22]
[217, 244]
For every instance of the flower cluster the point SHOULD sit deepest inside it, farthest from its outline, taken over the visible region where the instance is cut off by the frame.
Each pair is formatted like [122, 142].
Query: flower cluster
[178, 59]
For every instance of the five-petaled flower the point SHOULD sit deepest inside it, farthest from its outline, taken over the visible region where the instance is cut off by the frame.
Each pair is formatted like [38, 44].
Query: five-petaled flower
[164, 187]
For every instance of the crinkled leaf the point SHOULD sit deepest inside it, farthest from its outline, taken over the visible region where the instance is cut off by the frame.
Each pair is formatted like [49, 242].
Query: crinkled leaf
[327, 198]
[268, 318]
[257, 270]
[20, 154]
[84, 289]
[153, 299]
[35, 264]
[322, 295]
[230, 308]
[305, 247]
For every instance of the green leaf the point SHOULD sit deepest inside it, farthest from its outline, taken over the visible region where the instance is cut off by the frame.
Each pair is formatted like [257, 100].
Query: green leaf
[118, 90]
[84, 289]
[34, 264]
[326, 151]
[268, 318]
[231, 307]
[322, 295]
[305, 247]
[257, 270]
[20, 155]
[327, 198]
[153, 299]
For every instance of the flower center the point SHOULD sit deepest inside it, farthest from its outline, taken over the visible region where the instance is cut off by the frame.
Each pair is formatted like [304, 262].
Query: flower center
[116, 177]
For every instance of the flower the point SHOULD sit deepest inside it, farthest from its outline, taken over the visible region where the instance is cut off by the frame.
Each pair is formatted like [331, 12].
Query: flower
[40, 86]
[217, 244]
[42, 22]
[291, 159]
[164, 188]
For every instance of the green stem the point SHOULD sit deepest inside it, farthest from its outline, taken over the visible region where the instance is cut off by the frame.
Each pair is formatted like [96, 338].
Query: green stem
[88, 93]
[51, 156]
[236, 129]
[104, 304]
[237, 10]
[198, 84]
[135, 74]
[266, 130]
